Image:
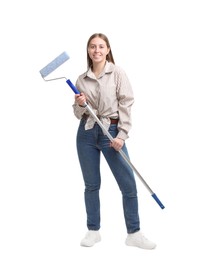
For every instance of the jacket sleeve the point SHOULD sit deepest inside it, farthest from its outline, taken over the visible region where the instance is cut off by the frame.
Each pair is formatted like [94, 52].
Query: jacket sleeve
[125, 97]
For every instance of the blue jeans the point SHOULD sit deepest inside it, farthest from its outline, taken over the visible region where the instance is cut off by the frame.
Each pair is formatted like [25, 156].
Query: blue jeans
[90, 144]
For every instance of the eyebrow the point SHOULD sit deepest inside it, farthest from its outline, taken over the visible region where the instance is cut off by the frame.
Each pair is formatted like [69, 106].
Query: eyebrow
[101, 44]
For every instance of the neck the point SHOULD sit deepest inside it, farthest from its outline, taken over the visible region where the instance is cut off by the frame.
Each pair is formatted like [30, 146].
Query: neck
[98, 68]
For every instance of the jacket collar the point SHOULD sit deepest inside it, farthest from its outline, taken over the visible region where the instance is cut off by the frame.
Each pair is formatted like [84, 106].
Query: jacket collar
[108, 68]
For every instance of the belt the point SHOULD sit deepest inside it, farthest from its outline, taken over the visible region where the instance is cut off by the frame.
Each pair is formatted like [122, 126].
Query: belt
[113, 120]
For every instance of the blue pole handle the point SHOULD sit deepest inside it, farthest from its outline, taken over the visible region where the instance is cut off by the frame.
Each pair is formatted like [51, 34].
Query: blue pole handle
[75, 90]
[158, 201]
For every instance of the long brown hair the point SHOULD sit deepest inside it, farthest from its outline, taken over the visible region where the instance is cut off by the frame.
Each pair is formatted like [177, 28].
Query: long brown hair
[109, 56]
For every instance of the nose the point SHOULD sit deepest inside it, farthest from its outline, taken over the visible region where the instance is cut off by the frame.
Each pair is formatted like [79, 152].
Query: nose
[96, 48]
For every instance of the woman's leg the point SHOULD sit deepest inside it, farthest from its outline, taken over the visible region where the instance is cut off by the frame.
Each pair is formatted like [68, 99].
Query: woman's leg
[89, 158]
[124, 176]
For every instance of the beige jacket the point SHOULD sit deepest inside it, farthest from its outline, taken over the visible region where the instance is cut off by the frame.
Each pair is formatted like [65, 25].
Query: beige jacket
[110, 96]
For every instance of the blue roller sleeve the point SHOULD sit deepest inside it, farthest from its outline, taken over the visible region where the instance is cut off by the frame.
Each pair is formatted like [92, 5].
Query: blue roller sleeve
[75, 90]
[58, 61]
[158, 201]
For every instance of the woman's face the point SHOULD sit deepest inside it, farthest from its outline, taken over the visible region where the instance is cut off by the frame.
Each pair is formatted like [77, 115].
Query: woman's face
[98, 50]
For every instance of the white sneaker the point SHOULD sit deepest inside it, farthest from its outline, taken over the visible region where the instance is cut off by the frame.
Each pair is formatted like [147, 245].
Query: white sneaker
[92, 237]
[137, 239]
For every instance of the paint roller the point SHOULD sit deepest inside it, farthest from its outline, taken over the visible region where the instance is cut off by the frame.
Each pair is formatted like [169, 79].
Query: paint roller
[53, 65]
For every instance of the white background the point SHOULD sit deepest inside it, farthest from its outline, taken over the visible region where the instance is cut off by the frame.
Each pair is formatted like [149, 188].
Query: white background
[159, 44]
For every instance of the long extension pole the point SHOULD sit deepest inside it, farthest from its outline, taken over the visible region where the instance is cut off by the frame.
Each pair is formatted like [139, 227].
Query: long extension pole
[75, 90]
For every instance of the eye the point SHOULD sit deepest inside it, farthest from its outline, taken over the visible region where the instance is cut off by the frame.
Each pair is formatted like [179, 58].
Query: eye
[92, 47]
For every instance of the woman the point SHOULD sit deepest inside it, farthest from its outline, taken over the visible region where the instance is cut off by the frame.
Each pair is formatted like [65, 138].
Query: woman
[107, 90]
